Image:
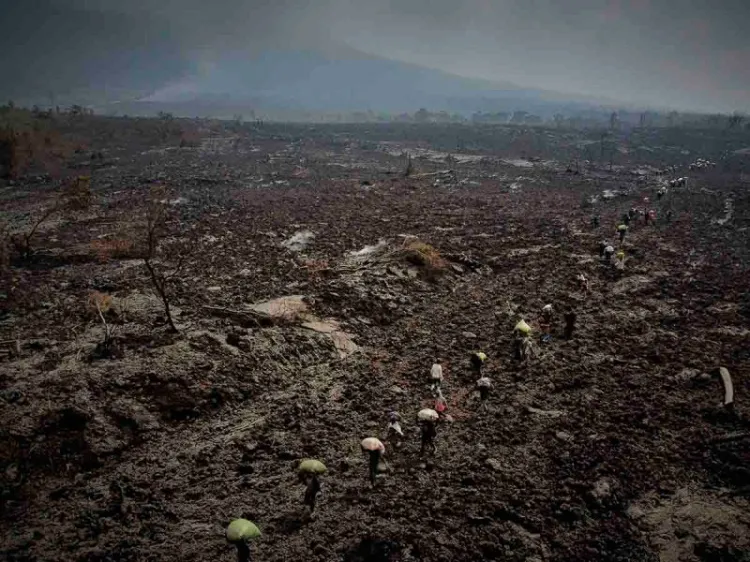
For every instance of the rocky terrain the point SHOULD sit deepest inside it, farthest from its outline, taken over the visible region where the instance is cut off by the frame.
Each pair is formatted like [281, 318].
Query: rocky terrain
[313, 275]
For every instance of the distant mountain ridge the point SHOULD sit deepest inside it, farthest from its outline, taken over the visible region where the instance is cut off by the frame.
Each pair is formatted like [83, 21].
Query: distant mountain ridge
[348, 82]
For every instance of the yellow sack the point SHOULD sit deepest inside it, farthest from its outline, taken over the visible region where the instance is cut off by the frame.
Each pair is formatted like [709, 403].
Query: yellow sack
[620, 255]
[523, 327]
[622, 227]
[482, 356]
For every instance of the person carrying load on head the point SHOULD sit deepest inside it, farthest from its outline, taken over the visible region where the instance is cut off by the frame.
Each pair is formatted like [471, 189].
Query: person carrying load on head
[521, 336]
[546, 320]
[619, 263]
[622, 230]
[484, 385]
[609, 251]
[428, 425]
[477, 359]
[547, 313]
[522, 328]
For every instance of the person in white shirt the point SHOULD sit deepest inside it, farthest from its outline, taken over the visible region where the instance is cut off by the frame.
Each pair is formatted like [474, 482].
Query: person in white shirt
[436, 376]
[393, 433]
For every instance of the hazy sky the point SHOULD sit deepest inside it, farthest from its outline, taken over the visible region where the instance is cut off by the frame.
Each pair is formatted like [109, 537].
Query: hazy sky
[682, 53]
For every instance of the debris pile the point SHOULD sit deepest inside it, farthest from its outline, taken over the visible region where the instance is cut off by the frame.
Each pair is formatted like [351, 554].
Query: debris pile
[701, 164]
[299, 241]
[678, 182]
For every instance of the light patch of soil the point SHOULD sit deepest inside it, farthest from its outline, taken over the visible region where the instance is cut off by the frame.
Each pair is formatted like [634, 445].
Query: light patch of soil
[691, 524]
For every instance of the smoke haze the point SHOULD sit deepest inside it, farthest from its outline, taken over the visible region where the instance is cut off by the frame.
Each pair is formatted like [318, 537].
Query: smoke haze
[686, 54]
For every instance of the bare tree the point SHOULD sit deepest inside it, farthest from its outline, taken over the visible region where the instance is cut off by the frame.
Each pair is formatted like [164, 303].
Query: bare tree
[409, 167]
[101, 303]
[167, 125]
[735, 120]
[161, 279]
[22, 242]
[10, 153]
[75, 196]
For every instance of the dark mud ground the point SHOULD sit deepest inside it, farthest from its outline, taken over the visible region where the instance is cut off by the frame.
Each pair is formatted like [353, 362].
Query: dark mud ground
[611, 446]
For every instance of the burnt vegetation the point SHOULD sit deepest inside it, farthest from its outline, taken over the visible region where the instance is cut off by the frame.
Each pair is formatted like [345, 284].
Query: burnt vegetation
[154, 383]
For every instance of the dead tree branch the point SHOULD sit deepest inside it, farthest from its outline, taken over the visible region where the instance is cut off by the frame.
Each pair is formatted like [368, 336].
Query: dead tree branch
[162, 281]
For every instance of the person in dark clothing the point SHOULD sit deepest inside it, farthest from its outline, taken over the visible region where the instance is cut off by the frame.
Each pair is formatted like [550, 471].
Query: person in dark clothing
[375, 450]
[518, 348]
[477, 361]
[374, 463]
[622, 230]
[313, 488]
[429, 433]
